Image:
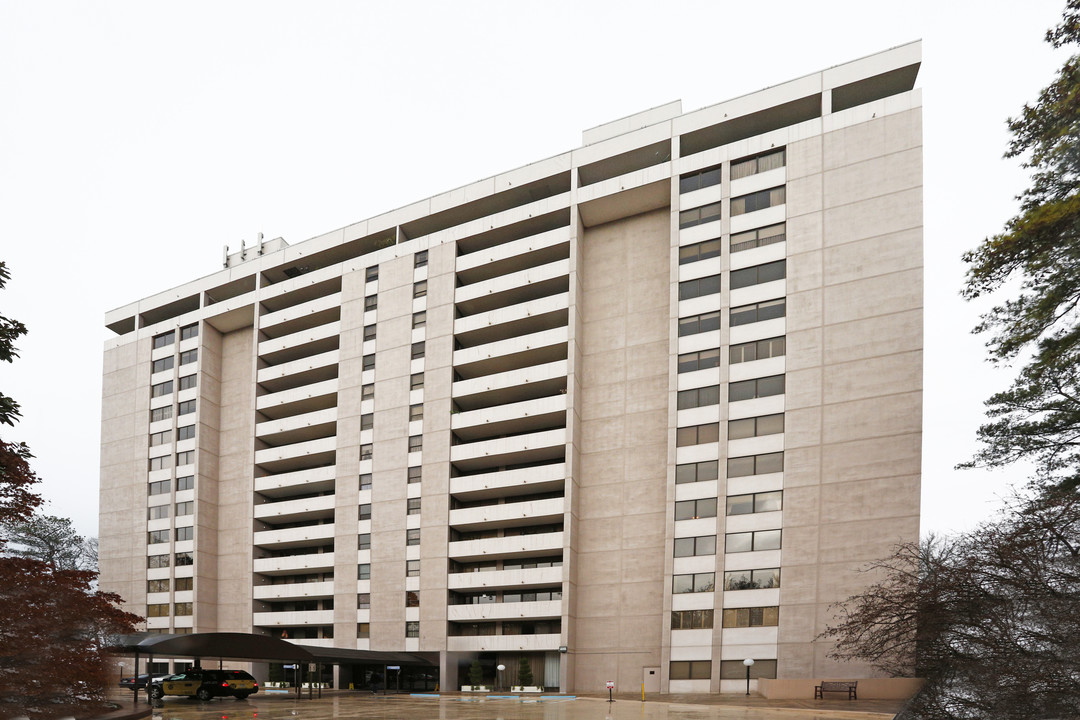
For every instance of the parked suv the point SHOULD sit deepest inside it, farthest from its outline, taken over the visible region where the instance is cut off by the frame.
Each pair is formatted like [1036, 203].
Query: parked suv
[206, 684]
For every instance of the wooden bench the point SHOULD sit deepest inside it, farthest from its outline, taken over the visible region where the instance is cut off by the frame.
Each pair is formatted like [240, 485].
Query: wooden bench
[836, 686]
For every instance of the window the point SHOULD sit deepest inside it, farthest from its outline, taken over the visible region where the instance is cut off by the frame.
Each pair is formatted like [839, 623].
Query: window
[184, 584]
[700, 215]
[419, 319]
[365, 481]
[751, 617]
[159, 488]
[697, 472]
[363, 541]
[185, 508]
[699, 323]
[367, 421]
[700, 251]
[185, 458]
[697, 288]
[417, 350]
[412, 536]
[750, 541]
[188, 381]
[419, 288]
[185, 533]
[416, 381]
[756, 388]
[756, 350]
[161, 389]
[699, 397]
[157, 586]
[185, 482]
[165, 363]
[416, 443]
[157, 610]
[363, 601]
[412, 598]
[189, 356]
[183, 608]
[369, 332]
[185, 433]
[363, 630]
[700, 179]
[164, 339]
[692, 620]
[416, 412]
[182, 559]
[369, 362]
[412, 568]
[189, 331]
[697, 435]
[700, 360]
[735, 670]
[756, 426]
[414, 474]
[157, 561]
[157, 512]
[365, 511]
[367, 392]
[688, 547]
[160, 438]
[363, 571]
[757, 274]
[752, 579]
[161, 463]
[161, 413]
[758, 238]
[365, 451]
[371, 302]
[412, 629]
[755, 465]
[757, 201]
[693, 509]
[413, 506]
[762, 163]
[755, 503]
[186, 407]
[371, 274]
[690, 669]
[157, 536]
[758, 312]
[420, 259]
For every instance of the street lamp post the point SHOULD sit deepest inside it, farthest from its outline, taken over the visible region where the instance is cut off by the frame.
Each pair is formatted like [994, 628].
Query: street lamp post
[500, 668]
[748, 662]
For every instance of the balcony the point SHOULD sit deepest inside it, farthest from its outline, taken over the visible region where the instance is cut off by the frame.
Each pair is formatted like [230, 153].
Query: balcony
[305, 343]
[513, 289]
[517, 385]
[299, 400]
[297, 456]
[502, 643]
[526, 579]
[509, 257]
[294, 591]
[290, 618]
[294, 564]
[320, 479]
[511, 514]
[298, 428]
[514, 450]
[304, 371]
[538, 479]
[314, 508]
[518, 546]
[528, 317]
[542, 610]
[302, 316]
[307, 536]
[513, 353]
[510, 419]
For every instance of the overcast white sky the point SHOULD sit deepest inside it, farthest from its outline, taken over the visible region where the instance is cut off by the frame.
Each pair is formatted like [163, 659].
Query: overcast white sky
[136, 139]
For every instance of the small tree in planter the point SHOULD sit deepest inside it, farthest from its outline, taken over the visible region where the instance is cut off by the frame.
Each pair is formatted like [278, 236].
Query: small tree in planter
[476, 675]
[525, 675]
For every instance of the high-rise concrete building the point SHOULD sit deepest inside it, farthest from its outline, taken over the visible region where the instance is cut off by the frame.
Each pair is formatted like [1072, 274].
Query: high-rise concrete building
[635, 412]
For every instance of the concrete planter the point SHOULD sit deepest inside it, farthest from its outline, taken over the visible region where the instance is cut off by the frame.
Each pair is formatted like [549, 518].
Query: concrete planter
[475, 688]
[526, 689]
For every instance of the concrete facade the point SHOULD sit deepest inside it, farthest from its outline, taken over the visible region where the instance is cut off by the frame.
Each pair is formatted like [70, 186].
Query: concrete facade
[635, 412]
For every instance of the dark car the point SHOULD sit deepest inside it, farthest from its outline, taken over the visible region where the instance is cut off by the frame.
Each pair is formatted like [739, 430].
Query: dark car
[206, 684]
[140, 681]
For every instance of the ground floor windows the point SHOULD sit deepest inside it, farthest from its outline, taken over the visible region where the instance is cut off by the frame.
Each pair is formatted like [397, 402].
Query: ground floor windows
[691, 669]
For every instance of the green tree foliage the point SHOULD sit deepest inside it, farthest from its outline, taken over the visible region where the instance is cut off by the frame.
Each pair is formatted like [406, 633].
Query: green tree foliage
[17, 500]
[53, 541]
[524, 673]
[990, 618]
[1038, 417]
[476, 674]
